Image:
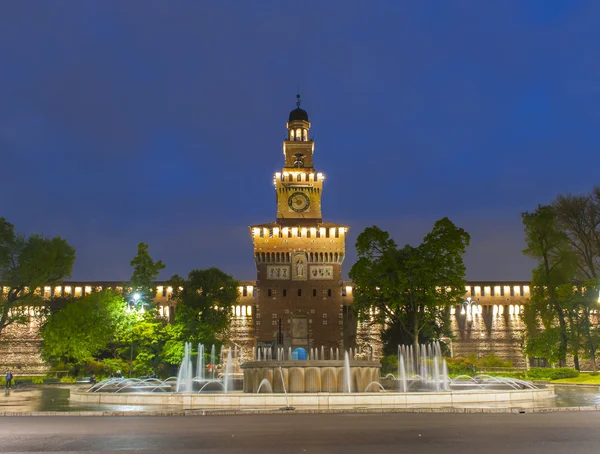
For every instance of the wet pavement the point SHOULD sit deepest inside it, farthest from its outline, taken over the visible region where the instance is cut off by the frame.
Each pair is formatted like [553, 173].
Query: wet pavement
[56, 399]
[543, 433]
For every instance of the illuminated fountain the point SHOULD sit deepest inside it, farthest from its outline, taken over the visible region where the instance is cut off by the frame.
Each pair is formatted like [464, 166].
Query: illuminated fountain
[185, 382]
[302, 371]
[314, 378]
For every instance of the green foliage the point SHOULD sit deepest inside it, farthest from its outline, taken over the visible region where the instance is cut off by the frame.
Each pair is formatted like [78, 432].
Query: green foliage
[145, 273]
[545, 373]
[389, 365]
[548, 244]
[84, 328]
[410, 288]
[472, 365]
[461, 366]
[27, 263]
[492, 360]
[204, 303]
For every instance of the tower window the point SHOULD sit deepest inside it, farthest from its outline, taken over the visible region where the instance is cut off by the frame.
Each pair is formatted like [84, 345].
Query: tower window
[314, 292]
[269, 292]
[245, 291]
[308, 233]
[284, 292]
[329, 292]
[305, 135]
[337, 233]
[343, 291]
[298, 134]
[299, 292]
[291, 134]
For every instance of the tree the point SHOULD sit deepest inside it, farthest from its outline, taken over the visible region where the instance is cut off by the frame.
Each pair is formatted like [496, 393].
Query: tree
[147, 332]
[551, 281]
[27, 263]
[145, 273]
[410, 289]
[578, 216]
[84, 328]
[203, 310]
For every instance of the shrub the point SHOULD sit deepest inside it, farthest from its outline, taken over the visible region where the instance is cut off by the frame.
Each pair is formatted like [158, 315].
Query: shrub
[389, 365]
[542, 373]
[460, 366]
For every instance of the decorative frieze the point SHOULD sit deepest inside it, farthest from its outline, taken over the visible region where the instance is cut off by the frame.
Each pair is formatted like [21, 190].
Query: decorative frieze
[278, 272]
[321, 272]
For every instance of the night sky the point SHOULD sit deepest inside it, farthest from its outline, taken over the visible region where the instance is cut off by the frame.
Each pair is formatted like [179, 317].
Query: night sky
[163, 122]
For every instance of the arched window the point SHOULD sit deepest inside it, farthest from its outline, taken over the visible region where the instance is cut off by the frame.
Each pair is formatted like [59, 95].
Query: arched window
[284, 292]
[305, 135]
[299, 292]
[269, 292]
[314, 292]
[291, 134]
[329, 292]
[298, 134]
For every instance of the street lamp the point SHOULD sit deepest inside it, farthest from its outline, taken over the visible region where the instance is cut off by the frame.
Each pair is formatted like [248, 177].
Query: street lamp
[133, 306]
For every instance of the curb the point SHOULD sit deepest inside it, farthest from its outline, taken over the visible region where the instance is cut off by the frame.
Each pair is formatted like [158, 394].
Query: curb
[514, 410]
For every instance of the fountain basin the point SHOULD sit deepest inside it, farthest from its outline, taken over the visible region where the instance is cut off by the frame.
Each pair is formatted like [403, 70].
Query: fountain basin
[320, 401]
[312, 376]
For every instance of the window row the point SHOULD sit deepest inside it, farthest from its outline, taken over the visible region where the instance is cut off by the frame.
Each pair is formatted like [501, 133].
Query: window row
[273, 292]
[285, 257]
[295, 232]
[298, 134]
[498, 290]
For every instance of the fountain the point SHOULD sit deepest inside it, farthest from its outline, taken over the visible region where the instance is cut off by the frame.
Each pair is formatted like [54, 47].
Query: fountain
[315, 374]
[295, 381]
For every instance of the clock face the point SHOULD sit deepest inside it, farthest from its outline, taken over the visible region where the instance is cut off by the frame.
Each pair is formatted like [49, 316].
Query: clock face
[299, 202]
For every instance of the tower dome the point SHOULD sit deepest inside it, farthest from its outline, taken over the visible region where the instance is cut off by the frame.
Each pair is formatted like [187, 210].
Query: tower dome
[298, 114]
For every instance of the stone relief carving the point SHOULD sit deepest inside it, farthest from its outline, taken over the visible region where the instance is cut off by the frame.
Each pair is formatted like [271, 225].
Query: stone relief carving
[299, 270]
[275, 272]
[321, 272]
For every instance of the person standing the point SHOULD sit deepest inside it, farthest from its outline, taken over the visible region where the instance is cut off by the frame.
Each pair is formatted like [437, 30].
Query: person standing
[9, 378]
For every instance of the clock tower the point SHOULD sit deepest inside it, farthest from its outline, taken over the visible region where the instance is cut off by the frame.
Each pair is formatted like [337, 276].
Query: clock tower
[299, 257]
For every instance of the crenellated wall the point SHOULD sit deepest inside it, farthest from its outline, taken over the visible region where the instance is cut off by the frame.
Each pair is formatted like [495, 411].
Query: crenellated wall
[488, 321]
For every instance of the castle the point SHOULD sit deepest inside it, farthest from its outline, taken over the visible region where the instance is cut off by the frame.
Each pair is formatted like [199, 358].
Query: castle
[299, 298]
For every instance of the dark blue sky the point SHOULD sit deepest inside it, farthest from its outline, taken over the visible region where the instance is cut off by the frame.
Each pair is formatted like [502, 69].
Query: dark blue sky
[162, 122]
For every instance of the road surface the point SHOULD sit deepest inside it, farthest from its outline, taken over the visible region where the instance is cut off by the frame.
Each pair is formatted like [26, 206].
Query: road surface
[532, 433]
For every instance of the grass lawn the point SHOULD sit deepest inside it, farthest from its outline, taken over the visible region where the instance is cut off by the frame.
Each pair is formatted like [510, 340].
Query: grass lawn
[584, 379]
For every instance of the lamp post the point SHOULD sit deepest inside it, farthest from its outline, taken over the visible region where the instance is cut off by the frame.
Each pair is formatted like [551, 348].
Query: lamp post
[133, 306]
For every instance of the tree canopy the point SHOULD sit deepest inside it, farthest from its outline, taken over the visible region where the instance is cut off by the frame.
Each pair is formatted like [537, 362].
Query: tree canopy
[409, 288]
[84, 327]
[28, 263]
[204, 301]
[145, 273]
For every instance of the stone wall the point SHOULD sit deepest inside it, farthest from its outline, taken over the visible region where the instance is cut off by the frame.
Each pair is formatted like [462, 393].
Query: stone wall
[490, 322]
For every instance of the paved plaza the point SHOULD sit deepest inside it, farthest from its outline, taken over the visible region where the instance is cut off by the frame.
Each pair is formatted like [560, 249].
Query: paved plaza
[561, 432]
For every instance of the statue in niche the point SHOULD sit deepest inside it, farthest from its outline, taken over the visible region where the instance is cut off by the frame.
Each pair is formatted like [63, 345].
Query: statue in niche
[299, 268]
